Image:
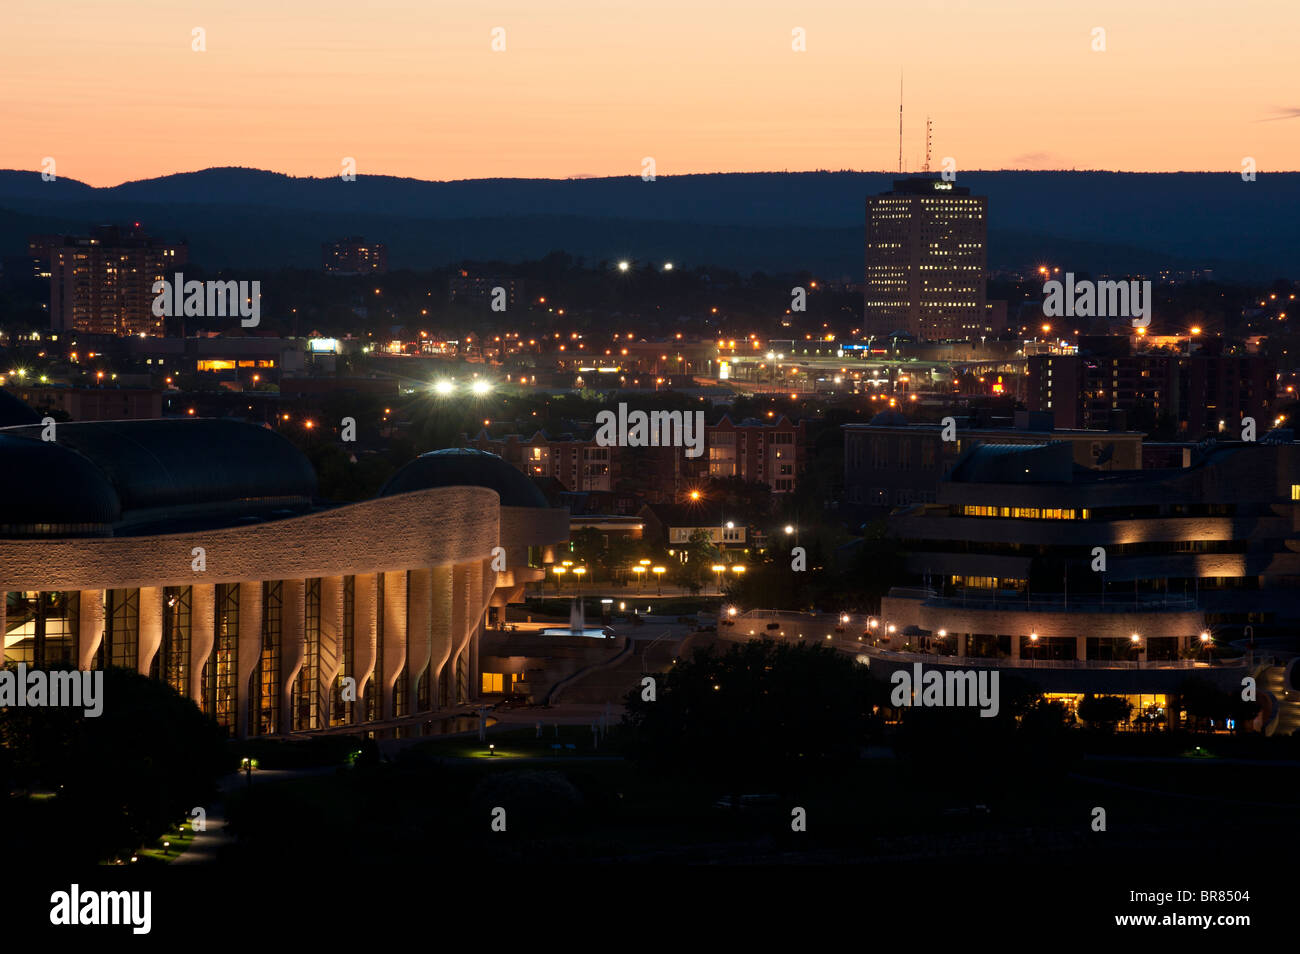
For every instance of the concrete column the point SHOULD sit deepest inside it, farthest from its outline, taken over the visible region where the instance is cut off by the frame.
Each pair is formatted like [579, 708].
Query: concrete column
[1015, 646]
[1081, 647]
[394, 639]
[441, 622]
[151, 620]
[293, 645]
[4, 612]
[90, 626]
[250, 651]
[419, 631]
[331, 642]
[364, 634]
[203, 634]
[961, 644]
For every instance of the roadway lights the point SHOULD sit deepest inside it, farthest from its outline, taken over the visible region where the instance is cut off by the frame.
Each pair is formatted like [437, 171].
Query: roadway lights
[789, 529]
[624, 266]
[480, 387]
[444, 387]
[668, 266]
[1205, 637]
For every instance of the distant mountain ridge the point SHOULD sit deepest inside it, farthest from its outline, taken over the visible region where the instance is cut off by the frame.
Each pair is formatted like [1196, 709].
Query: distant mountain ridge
[1102, 221]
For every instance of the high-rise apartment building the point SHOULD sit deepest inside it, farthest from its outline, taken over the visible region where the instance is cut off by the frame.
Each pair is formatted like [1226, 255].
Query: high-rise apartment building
[102, 283]
[926, 254]
[355, 256]
[1206, 391]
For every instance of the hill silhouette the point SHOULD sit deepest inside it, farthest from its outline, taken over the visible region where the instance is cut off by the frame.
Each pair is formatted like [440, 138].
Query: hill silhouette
[1099, 221]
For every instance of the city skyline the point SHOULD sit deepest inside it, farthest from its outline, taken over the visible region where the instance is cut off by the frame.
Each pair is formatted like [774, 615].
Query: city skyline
[583, 91]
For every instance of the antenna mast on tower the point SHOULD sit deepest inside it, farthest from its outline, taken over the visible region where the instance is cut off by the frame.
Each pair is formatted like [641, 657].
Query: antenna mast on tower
[900, 122]
[929, 128]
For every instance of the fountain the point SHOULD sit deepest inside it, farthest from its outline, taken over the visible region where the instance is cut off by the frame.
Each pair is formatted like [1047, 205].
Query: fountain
[577, 624]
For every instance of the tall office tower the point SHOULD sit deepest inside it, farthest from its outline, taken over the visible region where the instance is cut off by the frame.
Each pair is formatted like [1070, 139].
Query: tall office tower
[102, 283]
[355, 256]
[926, 252]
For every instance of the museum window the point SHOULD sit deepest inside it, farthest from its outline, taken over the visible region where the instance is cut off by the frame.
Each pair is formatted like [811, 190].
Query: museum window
[264, 697]
[306, 699]
[41, 627]
[222, 669]
[171, 663]
[121, 643]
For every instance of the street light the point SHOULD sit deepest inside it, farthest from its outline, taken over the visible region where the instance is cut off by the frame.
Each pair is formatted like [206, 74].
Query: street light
[659, 575]
[559, 571]
[1033, 647]
[1205, 644]
[719, 569]
[1136, 641]
[640, 575]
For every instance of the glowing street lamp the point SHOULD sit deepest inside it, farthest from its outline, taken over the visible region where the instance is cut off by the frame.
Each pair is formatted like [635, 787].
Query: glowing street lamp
[719, 569]
[640, 575]
[444, 387]
[659, 572]
[559, 572]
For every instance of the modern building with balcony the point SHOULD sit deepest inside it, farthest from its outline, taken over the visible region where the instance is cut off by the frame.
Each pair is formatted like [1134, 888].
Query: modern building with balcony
[1104, 581]
[197, 552]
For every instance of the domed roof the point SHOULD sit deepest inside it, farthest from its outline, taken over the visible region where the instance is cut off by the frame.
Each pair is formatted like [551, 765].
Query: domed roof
[13, 411]
[43, 482]
[465, 466]
[189, 463]
[890, 417]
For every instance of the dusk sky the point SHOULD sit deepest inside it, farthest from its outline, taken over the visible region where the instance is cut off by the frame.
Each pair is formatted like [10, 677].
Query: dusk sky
[114, 92]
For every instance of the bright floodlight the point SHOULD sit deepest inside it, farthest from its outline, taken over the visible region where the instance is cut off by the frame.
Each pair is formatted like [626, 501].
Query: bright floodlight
[480, 387]
[444, 387]
[668, 266]
[624, 266]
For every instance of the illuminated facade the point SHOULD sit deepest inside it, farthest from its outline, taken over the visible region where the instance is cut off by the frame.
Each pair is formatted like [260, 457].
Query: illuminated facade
[103, 283]
[355, 256]
[1091, 581]
[196, 552]
[926, 255]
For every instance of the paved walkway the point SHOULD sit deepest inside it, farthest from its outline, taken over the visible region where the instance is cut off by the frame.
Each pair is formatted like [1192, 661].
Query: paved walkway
[216, 837]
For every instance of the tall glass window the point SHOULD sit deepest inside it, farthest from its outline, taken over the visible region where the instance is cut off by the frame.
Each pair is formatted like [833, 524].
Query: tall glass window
[121, 644]
[41, 627]
[221, 671]
[306, 703]
[172, 661]
[340, 711]
[374, 698]
[264, 698]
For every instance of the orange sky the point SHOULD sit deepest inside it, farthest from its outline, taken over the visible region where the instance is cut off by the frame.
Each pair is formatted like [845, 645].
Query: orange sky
[113, 90]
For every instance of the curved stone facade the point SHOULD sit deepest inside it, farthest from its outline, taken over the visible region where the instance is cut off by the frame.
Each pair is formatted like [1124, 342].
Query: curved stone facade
[363, 614]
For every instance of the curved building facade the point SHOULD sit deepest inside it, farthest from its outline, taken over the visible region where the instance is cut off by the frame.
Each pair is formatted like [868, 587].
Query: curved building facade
[197, 553]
